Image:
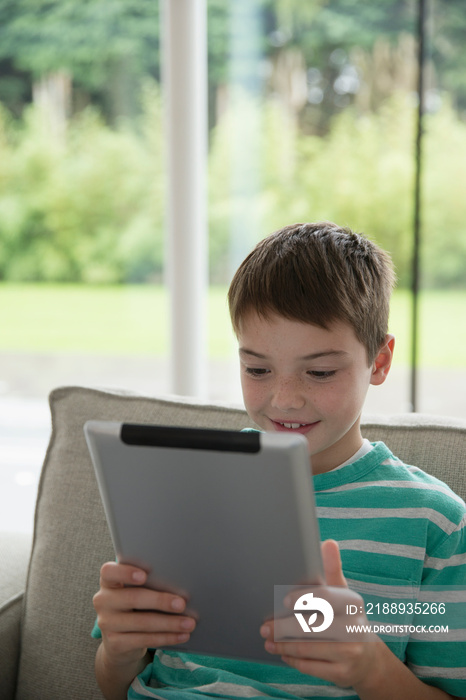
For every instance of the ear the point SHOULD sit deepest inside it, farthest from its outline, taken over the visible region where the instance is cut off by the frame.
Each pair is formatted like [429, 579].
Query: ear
[382, 363]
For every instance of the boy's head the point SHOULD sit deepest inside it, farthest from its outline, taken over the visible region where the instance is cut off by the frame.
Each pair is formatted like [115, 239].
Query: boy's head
[317, 273]
[310, 308]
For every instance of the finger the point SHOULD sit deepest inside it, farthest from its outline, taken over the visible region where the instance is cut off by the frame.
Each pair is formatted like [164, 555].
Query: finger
[332, 564]
[145, 623]
[336, 662]
[316, 651]
[267, 630]
[114, 575]
[319, 669]
[124, 643]
[148, 599]
[131, 598]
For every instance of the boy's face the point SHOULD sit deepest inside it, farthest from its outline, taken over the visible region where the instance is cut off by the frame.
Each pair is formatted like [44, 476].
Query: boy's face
[297, 377]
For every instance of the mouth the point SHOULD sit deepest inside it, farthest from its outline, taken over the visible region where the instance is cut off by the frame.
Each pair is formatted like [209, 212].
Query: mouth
[295, 427]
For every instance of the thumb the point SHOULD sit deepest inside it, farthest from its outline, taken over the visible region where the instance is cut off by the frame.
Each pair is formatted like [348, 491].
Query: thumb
[332, 564]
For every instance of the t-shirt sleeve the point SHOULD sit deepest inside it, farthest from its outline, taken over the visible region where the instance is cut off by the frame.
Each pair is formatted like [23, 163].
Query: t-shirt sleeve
[96, 633]
[440, 659]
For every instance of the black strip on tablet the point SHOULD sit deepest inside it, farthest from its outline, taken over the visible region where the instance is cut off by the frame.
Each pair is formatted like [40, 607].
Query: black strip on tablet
[189, 438]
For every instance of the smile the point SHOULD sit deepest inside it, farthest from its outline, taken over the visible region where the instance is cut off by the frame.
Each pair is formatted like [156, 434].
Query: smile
[297, 427]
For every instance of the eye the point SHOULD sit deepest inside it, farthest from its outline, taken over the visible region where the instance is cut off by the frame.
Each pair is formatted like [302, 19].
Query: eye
[316, 374]
[256, 371]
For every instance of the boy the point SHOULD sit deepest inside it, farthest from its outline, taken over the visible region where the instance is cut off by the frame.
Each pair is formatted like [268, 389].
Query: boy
[310, 308]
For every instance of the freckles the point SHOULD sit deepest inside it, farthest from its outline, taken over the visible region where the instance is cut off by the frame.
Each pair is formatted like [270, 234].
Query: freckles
[335, 398]
[252, 395]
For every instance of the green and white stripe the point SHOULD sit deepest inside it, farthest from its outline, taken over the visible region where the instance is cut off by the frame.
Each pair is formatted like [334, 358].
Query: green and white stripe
[400, 532]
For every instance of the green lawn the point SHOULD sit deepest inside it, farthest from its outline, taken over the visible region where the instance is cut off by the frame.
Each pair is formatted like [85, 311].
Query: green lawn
[442, 327]
[132, 320]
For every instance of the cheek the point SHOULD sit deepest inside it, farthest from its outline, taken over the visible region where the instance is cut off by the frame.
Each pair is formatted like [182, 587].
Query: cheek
[331, 400]
[351, 393]
[342, 396]
[251, 393]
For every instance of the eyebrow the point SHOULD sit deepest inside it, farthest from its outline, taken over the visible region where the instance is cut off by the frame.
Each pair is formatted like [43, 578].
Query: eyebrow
[306, 358]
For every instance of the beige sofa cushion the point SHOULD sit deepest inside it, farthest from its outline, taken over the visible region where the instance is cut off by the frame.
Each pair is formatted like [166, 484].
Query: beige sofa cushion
[71, 539]
[435, 444]
[14, 555]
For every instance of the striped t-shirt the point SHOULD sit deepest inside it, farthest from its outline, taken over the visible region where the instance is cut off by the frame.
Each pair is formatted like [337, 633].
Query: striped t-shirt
[402, 536]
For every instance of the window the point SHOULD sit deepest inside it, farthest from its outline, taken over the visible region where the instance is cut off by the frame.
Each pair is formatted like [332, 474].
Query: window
[311, 113]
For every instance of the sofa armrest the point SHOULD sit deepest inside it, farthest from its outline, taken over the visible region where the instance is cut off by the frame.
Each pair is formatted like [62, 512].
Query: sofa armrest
[10, 638]
[14, 558]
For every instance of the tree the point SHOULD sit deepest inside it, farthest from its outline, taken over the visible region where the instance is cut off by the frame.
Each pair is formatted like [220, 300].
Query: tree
[447, 30]
[104, 46]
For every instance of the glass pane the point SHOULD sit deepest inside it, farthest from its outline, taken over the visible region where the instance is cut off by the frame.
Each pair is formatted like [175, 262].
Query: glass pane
[312, 115]
[442, 377]
[82, 190]
[315, 120]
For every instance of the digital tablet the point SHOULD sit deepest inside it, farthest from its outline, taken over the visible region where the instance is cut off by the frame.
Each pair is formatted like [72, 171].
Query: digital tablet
[219, 517]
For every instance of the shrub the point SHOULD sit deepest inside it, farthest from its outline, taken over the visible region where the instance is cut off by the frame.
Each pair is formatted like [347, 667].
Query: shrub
[91, 207]
[88, 208]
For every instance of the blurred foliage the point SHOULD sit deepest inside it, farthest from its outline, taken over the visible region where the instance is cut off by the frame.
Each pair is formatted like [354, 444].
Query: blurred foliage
[311, 115]
[109, 46]
[91, 208]
[361, 174]
[88, 209]
[448, 30]
[106, 46]
[82, 37]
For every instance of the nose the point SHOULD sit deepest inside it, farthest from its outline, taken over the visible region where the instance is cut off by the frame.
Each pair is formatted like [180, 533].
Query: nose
[288, 394]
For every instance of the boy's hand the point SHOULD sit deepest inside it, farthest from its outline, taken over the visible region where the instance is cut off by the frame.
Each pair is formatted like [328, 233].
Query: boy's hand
[133, 619]
[343, 663]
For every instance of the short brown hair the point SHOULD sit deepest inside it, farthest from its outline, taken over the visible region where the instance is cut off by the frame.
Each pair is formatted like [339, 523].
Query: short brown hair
[317, 273]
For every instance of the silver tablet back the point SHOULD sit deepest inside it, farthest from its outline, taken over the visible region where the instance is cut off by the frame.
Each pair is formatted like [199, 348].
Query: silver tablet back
[219, 517]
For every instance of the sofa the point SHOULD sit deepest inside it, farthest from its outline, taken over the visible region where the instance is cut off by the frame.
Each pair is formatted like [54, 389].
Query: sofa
[46, 587]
